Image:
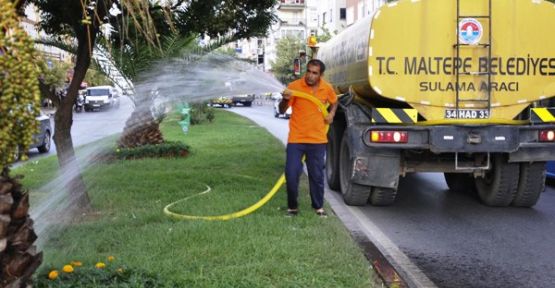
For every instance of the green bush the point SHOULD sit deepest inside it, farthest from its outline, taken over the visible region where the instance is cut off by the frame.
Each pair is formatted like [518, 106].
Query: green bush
[200, 113]
[166, 149]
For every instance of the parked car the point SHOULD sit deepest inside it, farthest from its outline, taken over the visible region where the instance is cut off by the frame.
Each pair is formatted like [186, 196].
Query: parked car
[287, 114]
[43, 138]
[99, 97]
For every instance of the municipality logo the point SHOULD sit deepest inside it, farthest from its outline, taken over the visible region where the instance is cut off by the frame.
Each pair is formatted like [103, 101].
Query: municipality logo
[470, 31]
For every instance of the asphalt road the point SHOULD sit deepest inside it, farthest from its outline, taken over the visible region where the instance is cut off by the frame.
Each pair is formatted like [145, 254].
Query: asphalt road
[91, 126]
[453, 239]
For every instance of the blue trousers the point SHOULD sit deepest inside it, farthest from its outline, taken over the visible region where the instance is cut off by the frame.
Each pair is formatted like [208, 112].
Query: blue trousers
[315, 154]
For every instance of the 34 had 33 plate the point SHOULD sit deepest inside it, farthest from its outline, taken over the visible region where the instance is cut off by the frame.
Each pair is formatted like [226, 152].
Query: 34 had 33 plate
[466, 114]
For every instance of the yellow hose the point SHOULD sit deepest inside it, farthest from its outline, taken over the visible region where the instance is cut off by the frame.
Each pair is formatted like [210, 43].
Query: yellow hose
[260, 202]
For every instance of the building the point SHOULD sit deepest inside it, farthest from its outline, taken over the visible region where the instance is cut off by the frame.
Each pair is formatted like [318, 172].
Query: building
[332, 16]
[30, 25]
[358, 9]
[251, 49]
[296, 18]
[302, 18]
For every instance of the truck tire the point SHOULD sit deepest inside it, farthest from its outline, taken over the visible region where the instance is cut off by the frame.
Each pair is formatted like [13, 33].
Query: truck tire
[383, 196]
[531, 184]
[499, 186]
[332, 157]
[460, 182]
[353, 194]
[247, 104]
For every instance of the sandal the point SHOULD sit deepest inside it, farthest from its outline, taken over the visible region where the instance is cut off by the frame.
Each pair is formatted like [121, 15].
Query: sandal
[321, 213]
[292, 212]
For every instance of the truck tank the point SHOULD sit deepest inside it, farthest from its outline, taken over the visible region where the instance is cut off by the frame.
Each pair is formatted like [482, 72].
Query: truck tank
[441, 56]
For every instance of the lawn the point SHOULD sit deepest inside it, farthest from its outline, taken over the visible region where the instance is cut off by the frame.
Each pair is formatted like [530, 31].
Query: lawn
[240, 162]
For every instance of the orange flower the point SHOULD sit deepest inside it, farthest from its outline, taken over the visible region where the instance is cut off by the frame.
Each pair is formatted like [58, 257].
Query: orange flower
[111, 258]
[53, 275]
[100, 265]
[76, 263]
[67, 268]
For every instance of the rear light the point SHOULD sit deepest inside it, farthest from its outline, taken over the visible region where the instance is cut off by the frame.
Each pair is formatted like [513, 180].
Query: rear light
[389, 136]
[547, 136]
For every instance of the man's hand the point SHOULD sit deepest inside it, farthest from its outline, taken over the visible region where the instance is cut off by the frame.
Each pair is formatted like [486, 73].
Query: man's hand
[329, 119]
[284, 103]
[286, 94]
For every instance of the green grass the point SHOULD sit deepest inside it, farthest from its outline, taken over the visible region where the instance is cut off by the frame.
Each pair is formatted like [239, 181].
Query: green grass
[240, 162]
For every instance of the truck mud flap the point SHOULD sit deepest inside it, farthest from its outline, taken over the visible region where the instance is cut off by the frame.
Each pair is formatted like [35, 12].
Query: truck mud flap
[374, 166]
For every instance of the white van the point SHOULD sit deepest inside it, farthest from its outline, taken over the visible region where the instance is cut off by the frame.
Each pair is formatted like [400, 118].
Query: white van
[99, 97]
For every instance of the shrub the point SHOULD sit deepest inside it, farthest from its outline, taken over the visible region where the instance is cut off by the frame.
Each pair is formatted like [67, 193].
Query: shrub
[167, 149]
[200, 113]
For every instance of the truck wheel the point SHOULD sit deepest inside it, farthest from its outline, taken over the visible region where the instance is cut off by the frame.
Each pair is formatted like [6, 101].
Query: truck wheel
[247, 104]
[353, 194]
[499, 186]
[332, 158]
[460, 182]
[530, 185]
[383, 196]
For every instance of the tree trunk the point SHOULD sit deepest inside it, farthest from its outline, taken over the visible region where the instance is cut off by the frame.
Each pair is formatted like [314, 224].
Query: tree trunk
[141, 128]
[19, 258]
[64, 119]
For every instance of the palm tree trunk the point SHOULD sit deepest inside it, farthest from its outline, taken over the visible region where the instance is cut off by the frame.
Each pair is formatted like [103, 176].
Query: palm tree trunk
[18, 256]
[141, 128]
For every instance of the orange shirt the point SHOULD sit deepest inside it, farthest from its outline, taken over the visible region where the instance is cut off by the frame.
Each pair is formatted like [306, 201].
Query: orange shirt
[307, 121]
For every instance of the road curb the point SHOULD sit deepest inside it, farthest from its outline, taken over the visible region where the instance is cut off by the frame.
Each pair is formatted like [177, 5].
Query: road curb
[393, 267]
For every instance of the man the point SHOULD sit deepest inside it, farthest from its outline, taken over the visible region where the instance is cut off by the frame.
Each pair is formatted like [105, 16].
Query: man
[307, 135]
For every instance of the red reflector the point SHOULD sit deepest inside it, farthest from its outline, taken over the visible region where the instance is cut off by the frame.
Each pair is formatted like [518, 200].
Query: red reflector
[547, 136]
[389, 137]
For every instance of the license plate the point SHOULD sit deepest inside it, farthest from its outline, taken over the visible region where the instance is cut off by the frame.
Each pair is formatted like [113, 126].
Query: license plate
[466, 114]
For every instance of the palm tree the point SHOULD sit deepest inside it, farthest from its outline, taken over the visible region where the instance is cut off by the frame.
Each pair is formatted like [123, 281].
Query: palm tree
[19, 89]
[142, 127]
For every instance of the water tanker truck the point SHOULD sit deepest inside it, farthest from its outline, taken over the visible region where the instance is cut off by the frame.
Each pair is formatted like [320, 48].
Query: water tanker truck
[458, 87]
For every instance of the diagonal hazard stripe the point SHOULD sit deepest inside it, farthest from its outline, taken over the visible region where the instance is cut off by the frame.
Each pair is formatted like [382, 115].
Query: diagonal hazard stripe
[543, 114]
[394, 116]
[404, 115]
[412, 114]
[377, 117]
[388, 115]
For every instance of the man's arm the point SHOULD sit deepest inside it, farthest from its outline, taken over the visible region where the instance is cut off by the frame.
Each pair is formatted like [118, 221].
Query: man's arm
[331, 114]
[284, 104]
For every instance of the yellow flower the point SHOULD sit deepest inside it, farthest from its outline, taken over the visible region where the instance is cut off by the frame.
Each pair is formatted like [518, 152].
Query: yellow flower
[53, 275]
[67, 268]
[100, 265]
[117, 150]
[111, 258]
[76, 263]
[119, 270]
